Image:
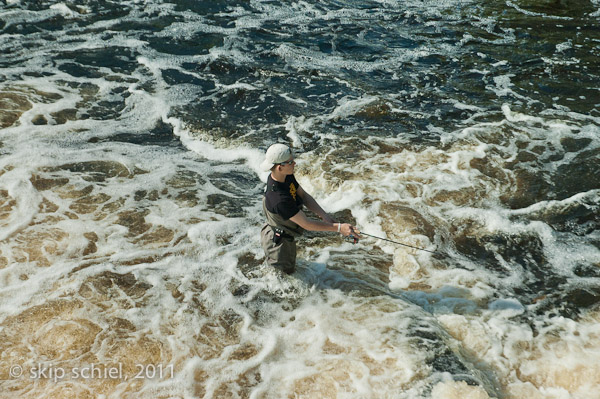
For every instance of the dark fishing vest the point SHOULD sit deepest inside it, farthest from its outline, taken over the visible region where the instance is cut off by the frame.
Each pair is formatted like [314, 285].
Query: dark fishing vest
[277, 221]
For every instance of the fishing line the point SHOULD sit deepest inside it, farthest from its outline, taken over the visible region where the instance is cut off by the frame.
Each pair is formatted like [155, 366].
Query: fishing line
[399, 243]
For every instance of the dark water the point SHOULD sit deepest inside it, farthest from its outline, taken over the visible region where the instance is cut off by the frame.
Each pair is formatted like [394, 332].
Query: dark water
[131, 134]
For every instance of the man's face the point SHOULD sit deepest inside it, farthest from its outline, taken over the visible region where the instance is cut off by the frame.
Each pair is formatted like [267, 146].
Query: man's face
[288, 166]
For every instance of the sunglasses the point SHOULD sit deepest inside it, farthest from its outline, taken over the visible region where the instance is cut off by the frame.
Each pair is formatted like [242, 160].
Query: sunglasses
[287, 162]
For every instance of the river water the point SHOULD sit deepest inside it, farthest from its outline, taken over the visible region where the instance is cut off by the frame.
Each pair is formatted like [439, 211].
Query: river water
[130, 198]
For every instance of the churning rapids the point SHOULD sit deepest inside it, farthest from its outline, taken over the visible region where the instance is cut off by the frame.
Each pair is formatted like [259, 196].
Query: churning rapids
[130, 198]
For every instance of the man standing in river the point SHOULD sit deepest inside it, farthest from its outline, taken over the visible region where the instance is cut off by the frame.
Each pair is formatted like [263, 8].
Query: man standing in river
[282, 205]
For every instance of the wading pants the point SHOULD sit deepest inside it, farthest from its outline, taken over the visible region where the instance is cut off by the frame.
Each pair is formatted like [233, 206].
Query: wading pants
[282, 254]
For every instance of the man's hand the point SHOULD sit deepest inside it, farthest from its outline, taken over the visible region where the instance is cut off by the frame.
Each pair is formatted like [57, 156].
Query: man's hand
[348, 230]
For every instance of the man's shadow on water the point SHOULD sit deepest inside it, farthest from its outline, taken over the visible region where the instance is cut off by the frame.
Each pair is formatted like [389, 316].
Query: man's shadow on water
[354, 275]
[358, 272]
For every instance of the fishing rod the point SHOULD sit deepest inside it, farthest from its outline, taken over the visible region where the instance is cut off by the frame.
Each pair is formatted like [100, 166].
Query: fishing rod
[395, 242]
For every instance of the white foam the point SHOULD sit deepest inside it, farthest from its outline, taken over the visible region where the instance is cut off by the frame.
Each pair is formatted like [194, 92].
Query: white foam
[549, 363]
[295, 125]
[503, 84]
[63, 9]
[564, 46]
[350, 107]
[317, 326]
[16, 183]
[236, 86]
[468, 107]
[536, 14]
[457, 390]
[253, 157]
[308, 58]
[293, 100]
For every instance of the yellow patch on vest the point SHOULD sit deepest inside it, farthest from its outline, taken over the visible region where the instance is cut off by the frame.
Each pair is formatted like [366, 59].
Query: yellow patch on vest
[293, 191]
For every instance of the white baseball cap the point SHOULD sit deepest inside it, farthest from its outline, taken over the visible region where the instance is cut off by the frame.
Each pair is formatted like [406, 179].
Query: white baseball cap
[276, 153]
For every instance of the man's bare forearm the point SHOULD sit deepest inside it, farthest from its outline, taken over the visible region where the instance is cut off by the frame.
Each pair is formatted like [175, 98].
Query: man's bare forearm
[311, 204]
